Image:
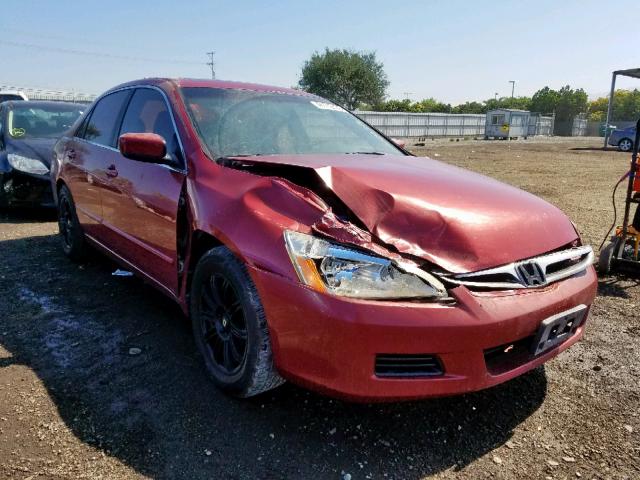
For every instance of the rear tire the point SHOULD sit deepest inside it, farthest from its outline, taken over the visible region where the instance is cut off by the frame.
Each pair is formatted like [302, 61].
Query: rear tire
[605, 260]
[230, 327]
[71, 234]
[625, 145]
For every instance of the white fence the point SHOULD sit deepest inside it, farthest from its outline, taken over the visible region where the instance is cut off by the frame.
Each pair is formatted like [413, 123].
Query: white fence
[579, 126]
[52, 95]
[539, 125]
[399, 124]
[407, 125]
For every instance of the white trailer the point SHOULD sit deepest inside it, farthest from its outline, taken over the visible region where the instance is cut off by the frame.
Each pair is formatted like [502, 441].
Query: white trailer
[507, 123]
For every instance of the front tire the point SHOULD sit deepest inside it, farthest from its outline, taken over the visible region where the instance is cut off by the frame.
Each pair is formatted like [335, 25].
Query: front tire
[71, 234]
[230, 327]
[625, 145]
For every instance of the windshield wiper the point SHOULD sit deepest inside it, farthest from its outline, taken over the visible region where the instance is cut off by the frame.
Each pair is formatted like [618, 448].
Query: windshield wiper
[241, 155]
[364, 153]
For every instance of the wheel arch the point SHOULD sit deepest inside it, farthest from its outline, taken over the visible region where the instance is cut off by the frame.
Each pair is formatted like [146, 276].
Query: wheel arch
[201, 243]
[624, 138]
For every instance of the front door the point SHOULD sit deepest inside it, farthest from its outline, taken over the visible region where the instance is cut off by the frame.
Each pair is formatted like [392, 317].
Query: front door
[140, 205]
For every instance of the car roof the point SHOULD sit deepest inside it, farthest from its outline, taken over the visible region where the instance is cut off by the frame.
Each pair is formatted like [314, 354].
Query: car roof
[197, 82]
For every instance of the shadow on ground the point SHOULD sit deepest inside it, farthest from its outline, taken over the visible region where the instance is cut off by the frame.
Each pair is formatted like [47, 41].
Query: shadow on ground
[28, 215]
[599, 149]
[617, 285]
[158, 412]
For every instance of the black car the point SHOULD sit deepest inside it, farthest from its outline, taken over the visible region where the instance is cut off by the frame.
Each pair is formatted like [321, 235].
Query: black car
[28, 131]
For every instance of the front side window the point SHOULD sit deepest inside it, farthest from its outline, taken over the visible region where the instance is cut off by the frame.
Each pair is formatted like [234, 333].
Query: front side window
[148, 113]
[234, 122]
[26, 120]
[103, 124]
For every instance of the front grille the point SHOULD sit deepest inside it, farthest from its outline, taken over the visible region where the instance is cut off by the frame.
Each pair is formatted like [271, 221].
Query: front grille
[411, 366]
[531, 273]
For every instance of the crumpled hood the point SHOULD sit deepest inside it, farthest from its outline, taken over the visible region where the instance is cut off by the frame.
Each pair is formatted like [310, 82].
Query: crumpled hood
[457, 219]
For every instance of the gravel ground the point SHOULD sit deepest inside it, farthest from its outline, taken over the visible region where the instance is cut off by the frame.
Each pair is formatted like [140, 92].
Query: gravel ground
[99, 377]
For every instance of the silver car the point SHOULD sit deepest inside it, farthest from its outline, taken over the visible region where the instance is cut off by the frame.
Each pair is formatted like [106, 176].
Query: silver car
[623, 138]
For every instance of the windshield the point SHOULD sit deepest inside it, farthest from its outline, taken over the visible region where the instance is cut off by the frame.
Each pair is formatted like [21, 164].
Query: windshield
[26, 121]
[243, 122]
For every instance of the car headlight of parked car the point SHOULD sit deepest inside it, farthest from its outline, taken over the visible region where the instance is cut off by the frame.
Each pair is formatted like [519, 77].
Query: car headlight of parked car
[27, 164]
[335, 269]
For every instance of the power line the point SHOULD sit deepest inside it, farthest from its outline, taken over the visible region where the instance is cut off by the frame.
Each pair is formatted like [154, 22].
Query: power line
[211, 64]
[45, 36]
[95, 54]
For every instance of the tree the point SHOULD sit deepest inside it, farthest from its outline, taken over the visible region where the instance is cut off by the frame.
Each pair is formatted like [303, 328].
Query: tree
[431, 105]
[566, 103]
[346, 77]
[545, 101]
[394, 106]
[571, 103]
[626, 106]
[518, 103]
[469, 107]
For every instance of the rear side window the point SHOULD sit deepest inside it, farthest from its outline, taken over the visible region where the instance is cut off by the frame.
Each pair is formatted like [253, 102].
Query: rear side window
[105, 119]
[148, 113]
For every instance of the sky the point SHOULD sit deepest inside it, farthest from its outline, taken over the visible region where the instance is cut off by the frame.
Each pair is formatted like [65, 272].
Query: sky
[454, 51]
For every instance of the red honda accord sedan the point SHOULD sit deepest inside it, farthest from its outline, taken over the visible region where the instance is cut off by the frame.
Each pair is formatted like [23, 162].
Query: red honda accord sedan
[305, 245]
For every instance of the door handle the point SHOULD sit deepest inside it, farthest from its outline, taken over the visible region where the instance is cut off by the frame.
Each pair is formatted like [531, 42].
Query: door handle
[112, 171]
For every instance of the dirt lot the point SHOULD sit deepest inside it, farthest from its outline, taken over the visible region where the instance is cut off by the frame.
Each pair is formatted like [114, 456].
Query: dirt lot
[74, 403]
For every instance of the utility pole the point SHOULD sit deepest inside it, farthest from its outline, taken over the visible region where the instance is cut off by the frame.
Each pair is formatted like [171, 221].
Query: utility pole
[513, 86]
[495, 96]
[211, 64]
[406, 95]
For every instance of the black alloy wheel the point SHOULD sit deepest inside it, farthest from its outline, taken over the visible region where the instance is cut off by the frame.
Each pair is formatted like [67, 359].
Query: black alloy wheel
[65, 223]
[222, 325]
[71, 234]
[230, 326]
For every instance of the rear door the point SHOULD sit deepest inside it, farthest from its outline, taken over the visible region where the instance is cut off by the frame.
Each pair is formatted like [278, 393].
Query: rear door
[140, 204]
[87, 156]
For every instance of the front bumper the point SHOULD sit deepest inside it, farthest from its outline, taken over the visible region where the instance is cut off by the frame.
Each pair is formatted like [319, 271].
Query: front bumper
[330, 344]
[19, 189]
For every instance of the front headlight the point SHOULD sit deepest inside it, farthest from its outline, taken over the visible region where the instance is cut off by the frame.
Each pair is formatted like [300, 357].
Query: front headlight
[27, 164]
[335, 269]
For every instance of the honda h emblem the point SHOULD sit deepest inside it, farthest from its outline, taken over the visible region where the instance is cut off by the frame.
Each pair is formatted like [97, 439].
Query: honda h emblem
[531, 274]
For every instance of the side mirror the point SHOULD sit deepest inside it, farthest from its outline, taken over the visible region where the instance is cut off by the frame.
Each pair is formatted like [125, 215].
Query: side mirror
[145, 147]
[398, 142]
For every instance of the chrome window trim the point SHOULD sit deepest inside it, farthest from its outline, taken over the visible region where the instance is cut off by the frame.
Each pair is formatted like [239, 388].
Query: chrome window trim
[511, 270]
